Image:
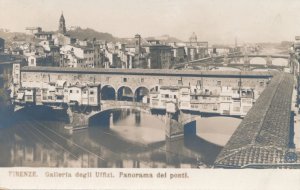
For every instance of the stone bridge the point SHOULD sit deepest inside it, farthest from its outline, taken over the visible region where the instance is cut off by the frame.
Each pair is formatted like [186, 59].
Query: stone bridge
[243, 62]
[111, 105]
[85, 93]
[176, 123]
[136, 81]
[263, 137]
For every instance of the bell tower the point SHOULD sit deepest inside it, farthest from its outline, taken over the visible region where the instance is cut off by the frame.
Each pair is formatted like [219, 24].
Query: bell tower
[62, 25]
[137, 38]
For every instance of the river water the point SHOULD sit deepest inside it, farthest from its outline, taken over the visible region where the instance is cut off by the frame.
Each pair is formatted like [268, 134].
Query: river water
[128, 139]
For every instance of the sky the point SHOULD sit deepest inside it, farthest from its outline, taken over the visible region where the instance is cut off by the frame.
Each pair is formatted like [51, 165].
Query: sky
[215, 21]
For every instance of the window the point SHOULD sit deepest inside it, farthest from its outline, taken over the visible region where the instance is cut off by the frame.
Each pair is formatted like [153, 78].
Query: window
[174, 96]
[71, 91]
[124, 79]
[91, 92]
[218, 83]
[160, 81]
[142, 79]
[179, 82]
[77, 91]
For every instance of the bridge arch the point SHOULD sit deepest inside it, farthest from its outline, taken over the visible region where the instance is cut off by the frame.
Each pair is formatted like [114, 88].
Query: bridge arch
[125, 93]
[108, 93]
[109, 106]
[280, 62]
[258, 61]
[140, 93]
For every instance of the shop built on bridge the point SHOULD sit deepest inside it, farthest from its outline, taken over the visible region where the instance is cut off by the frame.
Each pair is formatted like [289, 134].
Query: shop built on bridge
[181, 94]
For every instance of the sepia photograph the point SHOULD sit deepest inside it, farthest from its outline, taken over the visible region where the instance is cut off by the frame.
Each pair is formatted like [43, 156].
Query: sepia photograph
[143, 90]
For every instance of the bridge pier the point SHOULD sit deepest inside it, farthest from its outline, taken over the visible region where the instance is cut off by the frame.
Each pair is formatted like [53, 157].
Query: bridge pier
[174, 129]
[179, 124]
[77, 119]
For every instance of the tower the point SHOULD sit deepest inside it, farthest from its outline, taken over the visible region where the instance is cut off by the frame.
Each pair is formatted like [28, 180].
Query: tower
[137, 38]
[62, 25]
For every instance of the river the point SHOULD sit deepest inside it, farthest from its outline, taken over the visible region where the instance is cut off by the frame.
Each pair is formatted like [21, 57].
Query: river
[129, 139]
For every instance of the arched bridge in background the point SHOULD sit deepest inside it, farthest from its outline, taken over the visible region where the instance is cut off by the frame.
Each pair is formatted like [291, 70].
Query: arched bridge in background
[242, 62]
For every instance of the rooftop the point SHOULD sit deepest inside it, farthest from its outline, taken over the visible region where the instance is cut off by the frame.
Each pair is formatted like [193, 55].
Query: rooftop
[157, 72]
[44, 33]
[263, 135]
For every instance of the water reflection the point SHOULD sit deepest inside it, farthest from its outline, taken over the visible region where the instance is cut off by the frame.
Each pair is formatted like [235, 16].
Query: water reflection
[122, 139]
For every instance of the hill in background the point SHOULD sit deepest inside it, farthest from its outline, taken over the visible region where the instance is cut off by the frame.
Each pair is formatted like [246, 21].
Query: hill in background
[90, 34]
[83, 34]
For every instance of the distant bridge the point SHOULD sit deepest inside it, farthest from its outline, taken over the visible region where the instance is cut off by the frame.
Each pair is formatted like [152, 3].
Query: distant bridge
[242, 62]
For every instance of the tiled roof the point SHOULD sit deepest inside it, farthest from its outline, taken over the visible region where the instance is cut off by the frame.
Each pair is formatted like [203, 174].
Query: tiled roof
[191, 73]
[263, 135]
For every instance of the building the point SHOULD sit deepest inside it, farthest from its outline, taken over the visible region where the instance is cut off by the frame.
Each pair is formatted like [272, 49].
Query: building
[191, 52]
[2, 45]
[6, 68]
[63, 39]
[43, 35]
[40, 60]
[195, 49]
[159, 56]
[77, 56]
[178, 53]
[224, 101]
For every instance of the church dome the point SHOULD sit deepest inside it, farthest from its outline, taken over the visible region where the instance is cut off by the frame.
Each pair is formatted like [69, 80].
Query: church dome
[193, 37]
